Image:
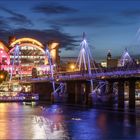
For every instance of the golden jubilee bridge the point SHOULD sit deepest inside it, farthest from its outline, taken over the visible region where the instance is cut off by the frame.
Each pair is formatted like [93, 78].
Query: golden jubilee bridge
[110, 85]
[90, 80]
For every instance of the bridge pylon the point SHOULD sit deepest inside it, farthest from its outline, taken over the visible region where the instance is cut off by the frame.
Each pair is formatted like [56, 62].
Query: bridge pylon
[16, 67]
[85, 62]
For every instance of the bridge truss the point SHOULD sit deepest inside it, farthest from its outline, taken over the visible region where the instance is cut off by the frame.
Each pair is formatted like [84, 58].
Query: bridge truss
[16, 63]
[125, 59]
[85, 62]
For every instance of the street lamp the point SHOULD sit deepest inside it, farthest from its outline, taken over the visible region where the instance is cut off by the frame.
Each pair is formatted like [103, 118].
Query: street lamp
[1, 76]
[72, 67]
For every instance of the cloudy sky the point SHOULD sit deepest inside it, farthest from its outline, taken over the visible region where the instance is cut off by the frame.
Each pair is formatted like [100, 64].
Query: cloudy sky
[108, 24]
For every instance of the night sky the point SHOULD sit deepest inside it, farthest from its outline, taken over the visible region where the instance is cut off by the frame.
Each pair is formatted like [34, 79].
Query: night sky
[108, 24]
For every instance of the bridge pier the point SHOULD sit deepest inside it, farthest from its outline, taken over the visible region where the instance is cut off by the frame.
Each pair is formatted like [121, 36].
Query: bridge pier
[71, 92]
[132, 94]
[78, 92]
[121, 94]
[88, 99]
[44, 90]
[110, 92]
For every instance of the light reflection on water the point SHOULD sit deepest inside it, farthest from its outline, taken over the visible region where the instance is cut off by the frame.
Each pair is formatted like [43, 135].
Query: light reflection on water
[22, 121]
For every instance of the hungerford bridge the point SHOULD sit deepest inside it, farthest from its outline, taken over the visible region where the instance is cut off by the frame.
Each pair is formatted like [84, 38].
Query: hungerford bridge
[89, 84]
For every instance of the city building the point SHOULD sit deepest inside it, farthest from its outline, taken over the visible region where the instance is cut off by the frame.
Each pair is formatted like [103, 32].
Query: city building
[103, 64]
[4, 56]
[68, 64]
[24, 54]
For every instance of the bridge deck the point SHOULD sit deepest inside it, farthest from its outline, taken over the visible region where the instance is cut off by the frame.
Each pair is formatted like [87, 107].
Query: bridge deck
[105, 74]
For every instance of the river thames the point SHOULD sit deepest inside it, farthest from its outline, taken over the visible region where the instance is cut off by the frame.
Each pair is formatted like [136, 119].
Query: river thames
[42, 121]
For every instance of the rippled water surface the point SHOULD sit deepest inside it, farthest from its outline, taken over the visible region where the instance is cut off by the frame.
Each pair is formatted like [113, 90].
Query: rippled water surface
[25, 121]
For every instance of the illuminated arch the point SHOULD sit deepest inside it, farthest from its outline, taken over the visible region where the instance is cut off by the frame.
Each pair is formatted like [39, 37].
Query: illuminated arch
[31, 54]
[28, 44]
[29, 40]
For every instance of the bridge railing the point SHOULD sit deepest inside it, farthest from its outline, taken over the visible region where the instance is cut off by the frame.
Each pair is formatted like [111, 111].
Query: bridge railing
[117, 71]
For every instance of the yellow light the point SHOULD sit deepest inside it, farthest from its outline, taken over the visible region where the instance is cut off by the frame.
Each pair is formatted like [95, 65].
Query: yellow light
[54, 44]
[53, 54]
[103, 77]
[22, 45]
[1, 76]
[15, 94]
[72, 66]
[31, 40]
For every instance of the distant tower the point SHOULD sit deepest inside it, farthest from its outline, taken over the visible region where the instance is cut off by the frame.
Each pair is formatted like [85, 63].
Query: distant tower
[109, 56]
[111, 62]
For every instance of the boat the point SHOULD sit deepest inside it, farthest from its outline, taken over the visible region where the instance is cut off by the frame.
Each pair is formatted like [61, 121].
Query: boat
[13, 91]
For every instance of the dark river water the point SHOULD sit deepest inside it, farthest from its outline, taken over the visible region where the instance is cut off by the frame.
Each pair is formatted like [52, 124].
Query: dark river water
[26, 121]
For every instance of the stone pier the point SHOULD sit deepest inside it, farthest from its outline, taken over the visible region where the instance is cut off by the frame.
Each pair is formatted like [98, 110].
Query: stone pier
[132, 94]
[121, 94]
[78, 92]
